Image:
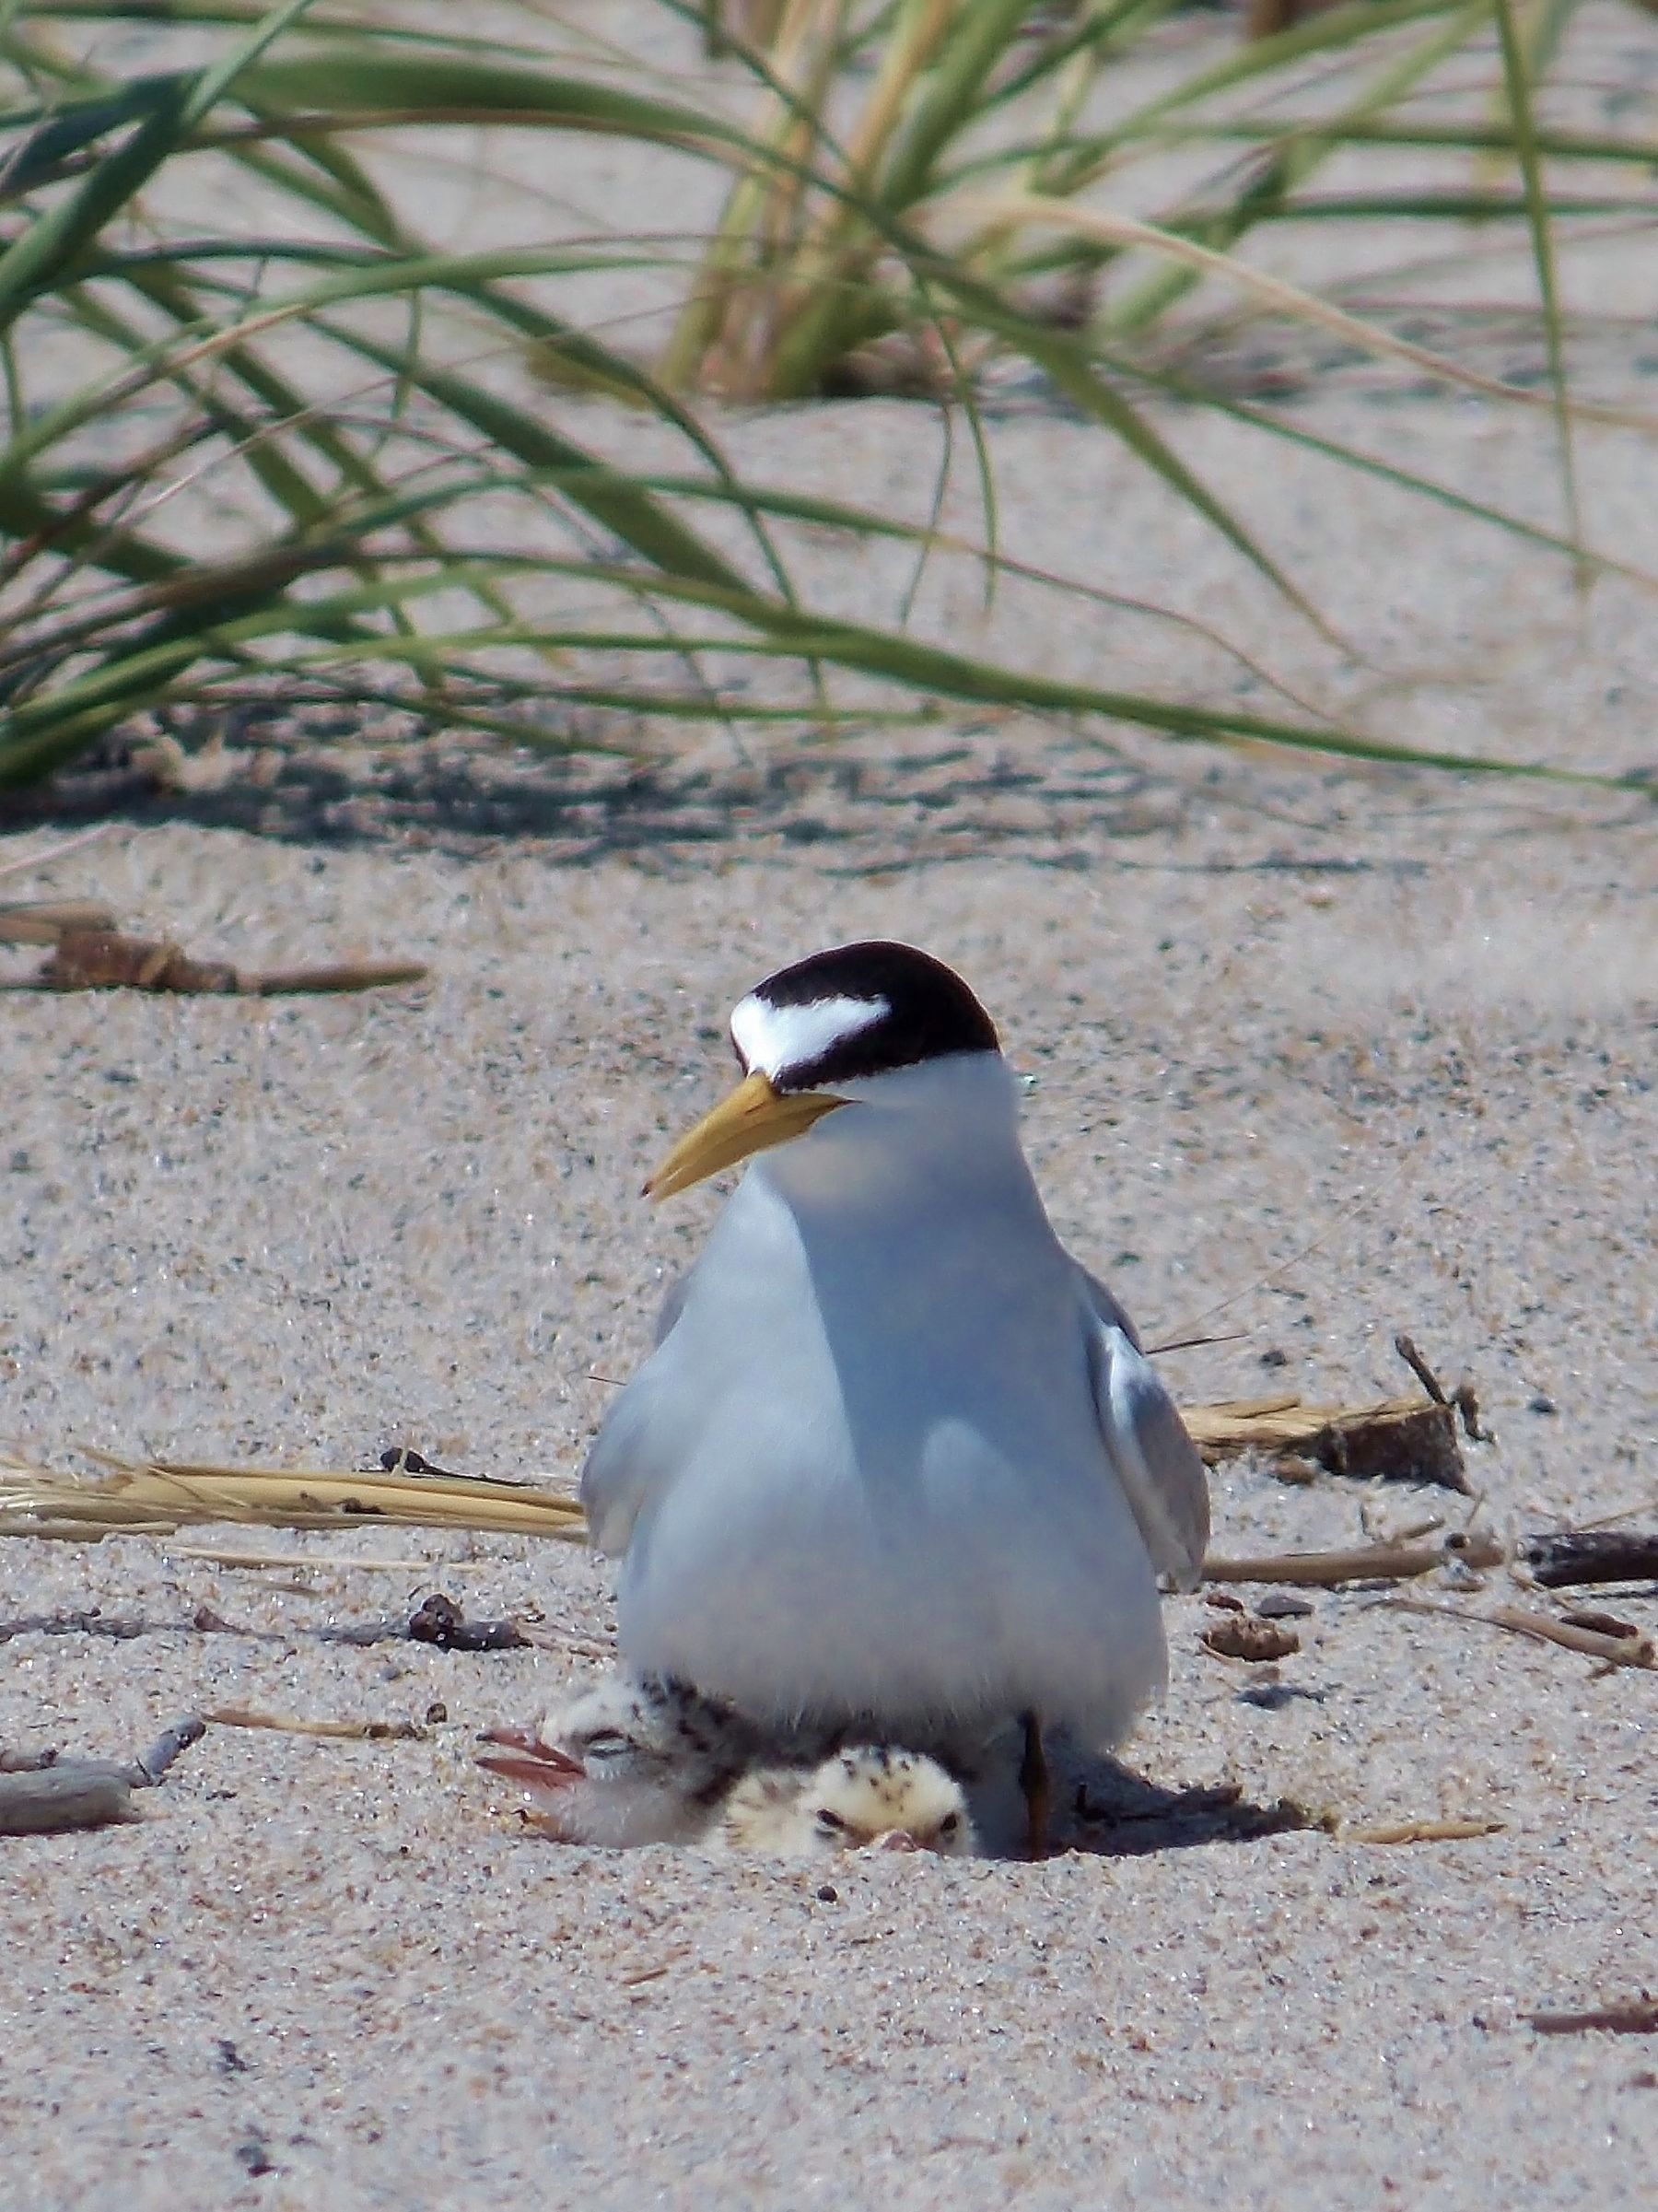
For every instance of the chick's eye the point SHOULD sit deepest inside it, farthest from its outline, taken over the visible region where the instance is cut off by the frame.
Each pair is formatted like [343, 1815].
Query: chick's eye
[830, 1824]
[950, 1823]
[610, 1743]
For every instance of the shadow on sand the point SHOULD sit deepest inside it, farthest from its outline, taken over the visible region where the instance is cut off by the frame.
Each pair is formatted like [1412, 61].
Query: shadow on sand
[867, 805]
[1113, 1813]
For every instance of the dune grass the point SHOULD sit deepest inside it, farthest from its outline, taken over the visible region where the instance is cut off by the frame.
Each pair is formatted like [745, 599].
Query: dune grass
[259, 427]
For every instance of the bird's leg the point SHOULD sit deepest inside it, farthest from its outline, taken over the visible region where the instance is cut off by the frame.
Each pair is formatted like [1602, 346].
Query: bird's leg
[1037, 1786]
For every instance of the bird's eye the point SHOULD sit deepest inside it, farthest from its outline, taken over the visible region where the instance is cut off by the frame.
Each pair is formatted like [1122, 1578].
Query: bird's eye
[830, 1824]
[950, 1823]
[610, 1743]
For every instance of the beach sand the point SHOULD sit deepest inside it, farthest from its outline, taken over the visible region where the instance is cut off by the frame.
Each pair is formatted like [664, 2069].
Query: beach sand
[1311, 1056]
[1310, 1059]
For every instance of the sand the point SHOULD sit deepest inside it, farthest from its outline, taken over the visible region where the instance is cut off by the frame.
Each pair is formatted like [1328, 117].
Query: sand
[1309, 1061]
[1310, 1056]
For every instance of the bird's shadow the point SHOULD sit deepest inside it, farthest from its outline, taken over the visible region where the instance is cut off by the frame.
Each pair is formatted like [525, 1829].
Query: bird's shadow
[1112, 1813]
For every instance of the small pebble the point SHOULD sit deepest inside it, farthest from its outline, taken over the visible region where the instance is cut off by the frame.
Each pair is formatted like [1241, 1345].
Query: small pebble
[1283, 1604]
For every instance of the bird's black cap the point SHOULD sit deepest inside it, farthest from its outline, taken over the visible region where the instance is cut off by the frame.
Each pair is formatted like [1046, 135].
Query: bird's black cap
[856, 1011]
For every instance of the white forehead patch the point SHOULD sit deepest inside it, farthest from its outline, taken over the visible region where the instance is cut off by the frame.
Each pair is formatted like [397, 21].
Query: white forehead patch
[774, 1039]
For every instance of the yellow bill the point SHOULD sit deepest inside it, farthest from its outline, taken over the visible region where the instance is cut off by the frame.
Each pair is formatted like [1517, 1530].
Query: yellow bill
[751, 1119]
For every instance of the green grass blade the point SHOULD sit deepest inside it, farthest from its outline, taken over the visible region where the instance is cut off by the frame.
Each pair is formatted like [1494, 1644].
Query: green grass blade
[52, 242]
[1517, 86]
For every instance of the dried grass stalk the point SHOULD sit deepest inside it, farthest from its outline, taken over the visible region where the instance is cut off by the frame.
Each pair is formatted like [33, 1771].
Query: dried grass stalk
[1626, 1647]
[156, 1497]
[1402, 1561]
[1421, 1831]
[283, 1724]
[107, 959]
[45, 920]
[1404, 1438]
[1638, 2016]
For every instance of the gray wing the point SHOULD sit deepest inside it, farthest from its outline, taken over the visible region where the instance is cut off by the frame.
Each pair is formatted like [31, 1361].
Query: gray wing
[616, 1482]
[1106, 1308]
[616, 1476]
[1157, 1463]
[673, 1304]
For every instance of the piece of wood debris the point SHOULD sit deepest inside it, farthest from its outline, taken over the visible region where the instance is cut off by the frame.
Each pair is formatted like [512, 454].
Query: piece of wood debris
[1395, 1562]
[1246, 1636]
[1612, 1650]
[151, 1766]
[1616, 1650]
[1604, 1624]
[342, 976]
[353, 1731]
[44, 1794]
[84, 1622]
[123, 1628]
[1635, 2016]
[1420, 1831]
[1393, 1440]
[439, 1621]
[1567, 1557]
[77, 1793]
[45, 920]
[436, 1620]
[107, 959]
[1463, 1400]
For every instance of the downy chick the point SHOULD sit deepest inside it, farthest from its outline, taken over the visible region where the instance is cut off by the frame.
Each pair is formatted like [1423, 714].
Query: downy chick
[868, 1796]
[629, 1759]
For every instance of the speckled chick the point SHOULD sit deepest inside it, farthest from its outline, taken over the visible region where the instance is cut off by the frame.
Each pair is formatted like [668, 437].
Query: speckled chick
[629, 1759]
[871, 1797]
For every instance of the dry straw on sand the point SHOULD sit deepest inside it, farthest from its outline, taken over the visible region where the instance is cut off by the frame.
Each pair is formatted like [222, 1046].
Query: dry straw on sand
[159, 1497]
[156, 1497]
